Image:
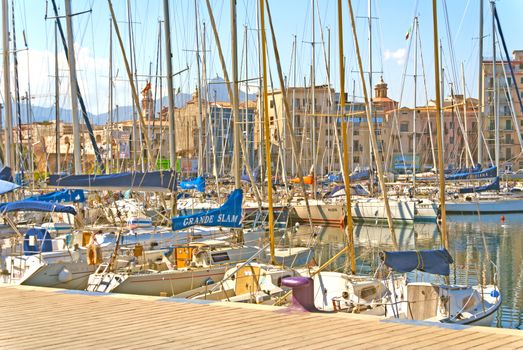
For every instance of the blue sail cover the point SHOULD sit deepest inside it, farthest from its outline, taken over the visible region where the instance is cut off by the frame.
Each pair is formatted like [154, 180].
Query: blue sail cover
[198, 184]
[494, 186]
[431, 261]
[357, 176]
[42, 240]
[36, 206]
[471, 175]
[152, 181]
[65, 195]
[228, 215]
[7, 186]
[5, 174]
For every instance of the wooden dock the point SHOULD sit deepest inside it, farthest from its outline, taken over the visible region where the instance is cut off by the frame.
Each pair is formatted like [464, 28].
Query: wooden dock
[40, 318]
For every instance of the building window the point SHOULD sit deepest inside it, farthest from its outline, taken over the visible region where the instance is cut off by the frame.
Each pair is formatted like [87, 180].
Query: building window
[271, 103]
[508, 125]
[404, 127]
[509, 81]
[508, 153]
[521, 80]
[508, 140]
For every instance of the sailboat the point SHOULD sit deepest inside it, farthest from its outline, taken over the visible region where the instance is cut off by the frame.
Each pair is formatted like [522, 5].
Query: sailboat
[459, 304]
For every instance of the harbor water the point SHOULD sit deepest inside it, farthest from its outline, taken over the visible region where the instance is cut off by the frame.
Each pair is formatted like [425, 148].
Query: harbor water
[484, 248]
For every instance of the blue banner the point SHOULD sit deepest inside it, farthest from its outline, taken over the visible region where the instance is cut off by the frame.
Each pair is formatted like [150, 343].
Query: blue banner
[228, 215]
[198, 184]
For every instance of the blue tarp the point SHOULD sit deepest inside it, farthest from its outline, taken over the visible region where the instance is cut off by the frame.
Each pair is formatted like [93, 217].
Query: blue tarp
[6, 186]
[470, 175]
[431, 261]
[65, 195]
[255, 176]
[36, 206]
[494, 186]
[42, 240]
[5, 174]
[358, 190]
[228, 215]
[152, 181]
[357, 176]
[198, 184]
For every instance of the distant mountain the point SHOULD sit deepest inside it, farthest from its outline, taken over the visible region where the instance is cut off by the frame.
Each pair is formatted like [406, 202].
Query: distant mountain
[217, 92]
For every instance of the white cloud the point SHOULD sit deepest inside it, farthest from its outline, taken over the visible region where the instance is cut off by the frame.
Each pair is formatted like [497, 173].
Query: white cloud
[36, 69]
[398, 55]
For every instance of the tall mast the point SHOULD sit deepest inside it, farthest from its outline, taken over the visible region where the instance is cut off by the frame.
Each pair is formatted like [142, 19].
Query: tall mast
[345, 172]
[74, 90]
[480, 85]
[313, 99]
[246, 121]
[170, 92]
[467, 163]
[17, 96]
[374, 142]
[371, 107]
[294, 69]
[441, 115]
[57, 100]
[200, 108]
[414, 114]
[267, 128]
[109, 157]
[261, 112]
[235, 103]
[439, 130]
[9, 156]
[494, 90]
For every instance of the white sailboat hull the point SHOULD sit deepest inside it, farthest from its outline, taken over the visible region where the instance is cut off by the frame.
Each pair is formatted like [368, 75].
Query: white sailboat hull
[475, 206]
[166, 283]
[369, 209]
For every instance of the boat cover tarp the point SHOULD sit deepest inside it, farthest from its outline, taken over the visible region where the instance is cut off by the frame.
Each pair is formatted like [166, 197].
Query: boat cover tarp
[7, 186]
[198, 184]
[255, 175]
[228, 215]
[138, 181]
[494, 186]
[65, 195]
[471, 175]
[41, 242]
[357, 176]
[356, 189]
[36, 206]
[5, 174]
[431, 261]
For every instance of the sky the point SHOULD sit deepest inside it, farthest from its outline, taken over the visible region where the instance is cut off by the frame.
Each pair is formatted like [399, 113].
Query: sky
[458, 24]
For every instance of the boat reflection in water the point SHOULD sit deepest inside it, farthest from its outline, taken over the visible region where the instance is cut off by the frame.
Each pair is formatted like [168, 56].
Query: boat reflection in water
[476, 244]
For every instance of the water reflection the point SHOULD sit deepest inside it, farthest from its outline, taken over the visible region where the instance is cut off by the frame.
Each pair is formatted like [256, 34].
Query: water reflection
[477, 244]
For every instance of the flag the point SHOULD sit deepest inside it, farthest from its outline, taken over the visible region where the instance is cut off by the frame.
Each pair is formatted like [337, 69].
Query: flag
[407, 35]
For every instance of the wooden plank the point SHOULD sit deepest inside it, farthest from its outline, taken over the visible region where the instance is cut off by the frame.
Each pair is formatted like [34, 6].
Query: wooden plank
[45, 319]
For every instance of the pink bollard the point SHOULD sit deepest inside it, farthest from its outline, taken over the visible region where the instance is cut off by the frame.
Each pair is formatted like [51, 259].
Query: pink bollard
[302, 293]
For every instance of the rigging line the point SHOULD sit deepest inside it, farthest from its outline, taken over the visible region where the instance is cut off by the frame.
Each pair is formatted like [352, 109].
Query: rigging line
[462, 19]
[452, 55]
